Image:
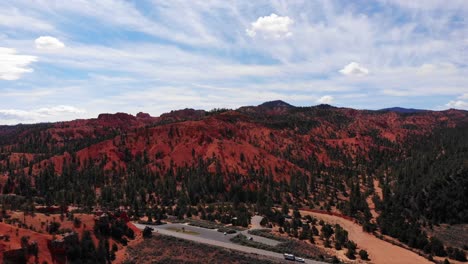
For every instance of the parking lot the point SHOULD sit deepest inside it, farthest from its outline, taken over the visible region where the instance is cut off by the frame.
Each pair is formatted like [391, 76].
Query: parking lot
[215, 238]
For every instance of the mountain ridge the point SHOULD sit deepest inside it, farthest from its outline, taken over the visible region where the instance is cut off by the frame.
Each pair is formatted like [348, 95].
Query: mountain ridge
[273, 117]
[278, 105]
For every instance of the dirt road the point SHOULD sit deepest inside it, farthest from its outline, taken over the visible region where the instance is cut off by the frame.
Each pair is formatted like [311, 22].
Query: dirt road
[380, 251]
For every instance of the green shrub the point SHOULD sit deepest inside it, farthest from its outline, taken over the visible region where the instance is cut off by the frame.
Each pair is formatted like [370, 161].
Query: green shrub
[363, 254]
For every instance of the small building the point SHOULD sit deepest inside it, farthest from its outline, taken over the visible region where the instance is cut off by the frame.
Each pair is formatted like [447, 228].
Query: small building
[51, 209]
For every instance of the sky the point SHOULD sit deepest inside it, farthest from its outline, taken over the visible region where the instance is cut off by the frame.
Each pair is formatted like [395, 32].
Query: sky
[63, 60]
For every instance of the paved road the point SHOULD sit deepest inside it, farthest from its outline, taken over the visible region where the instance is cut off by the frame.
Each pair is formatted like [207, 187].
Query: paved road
[213, 234]
[215, 238]
[260, 239]
[206, 233]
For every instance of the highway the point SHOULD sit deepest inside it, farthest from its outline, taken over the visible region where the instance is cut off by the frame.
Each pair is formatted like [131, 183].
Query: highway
[215, 238]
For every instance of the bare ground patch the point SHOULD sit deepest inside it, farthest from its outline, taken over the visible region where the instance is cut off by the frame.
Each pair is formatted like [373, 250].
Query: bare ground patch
[166, 249]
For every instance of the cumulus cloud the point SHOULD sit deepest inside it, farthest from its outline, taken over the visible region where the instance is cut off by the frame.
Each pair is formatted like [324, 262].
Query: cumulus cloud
[327, 99]
[12, 116]
[354, 69]
[272, 26]
[12, 65]
[48, 43]
[458, 104]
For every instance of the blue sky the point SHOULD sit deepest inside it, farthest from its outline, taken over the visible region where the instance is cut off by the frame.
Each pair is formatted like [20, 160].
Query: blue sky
[62, 60]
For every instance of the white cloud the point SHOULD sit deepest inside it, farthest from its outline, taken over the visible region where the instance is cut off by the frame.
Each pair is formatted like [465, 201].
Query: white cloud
[127, 15]
[45, 114]
[419, 56]
[354, 69]
[55, 110]
[272, 26]
[463, 96]
[12, 65]
[458, 104]
[168, 64]
[429, 4]
[13, 18]
[9, 114]
[48, 43]
[327, 99]
[441, 68]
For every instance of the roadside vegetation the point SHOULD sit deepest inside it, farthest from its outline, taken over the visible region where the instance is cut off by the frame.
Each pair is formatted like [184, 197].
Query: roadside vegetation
[267, 234]
[167, 249]
[289, 246]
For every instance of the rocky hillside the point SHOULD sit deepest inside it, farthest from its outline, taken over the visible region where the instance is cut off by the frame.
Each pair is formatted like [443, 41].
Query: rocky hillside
[275, 136]
[370, 165]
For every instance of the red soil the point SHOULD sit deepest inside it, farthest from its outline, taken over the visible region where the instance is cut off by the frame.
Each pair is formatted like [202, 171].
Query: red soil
[39, 223]
[15, 241]
[379, 250]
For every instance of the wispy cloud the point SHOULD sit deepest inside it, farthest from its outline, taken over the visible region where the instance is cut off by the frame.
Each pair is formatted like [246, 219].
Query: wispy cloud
[13, 18]
[157, 56]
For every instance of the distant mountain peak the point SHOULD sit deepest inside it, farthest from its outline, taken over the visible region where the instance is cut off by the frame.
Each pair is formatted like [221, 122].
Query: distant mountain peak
[143, 115]
[325, 106]
[116, 116]
[276, 103]
[403, 110]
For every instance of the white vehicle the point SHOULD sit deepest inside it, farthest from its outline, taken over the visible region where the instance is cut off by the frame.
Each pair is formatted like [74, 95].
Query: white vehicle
[300, 259]
[289, 256]
[225, 233]
[250, 238]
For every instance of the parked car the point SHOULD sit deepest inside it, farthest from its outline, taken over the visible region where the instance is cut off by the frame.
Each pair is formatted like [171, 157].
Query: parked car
[299, 259]
[289, 256]
[250, 238]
